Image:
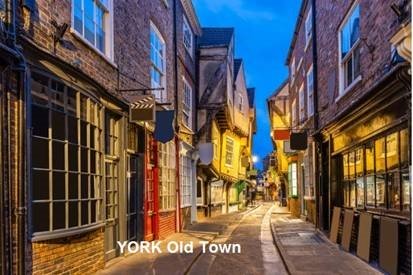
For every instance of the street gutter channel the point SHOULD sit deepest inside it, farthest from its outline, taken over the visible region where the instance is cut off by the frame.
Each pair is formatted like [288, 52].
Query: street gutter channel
[216, 234]
[278, 248]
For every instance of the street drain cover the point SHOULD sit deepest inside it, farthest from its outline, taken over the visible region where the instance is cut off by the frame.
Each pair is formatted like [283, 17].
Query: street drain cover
[300, 238]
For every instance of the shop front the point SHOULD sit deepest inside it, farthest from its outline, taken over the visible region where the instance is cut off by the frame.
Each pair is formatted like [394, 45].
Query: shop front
[366, 158]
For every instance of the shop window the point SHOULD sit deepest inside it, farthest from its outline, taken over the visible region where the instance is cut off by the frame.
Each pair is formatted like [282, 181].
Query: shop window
[370, 197]
[59, 199]
[404, 148]
[392, 151]
[380, 190]
[167, 176]
[393, 185]
[406, 191]
[380, 155]
[186, 180]
[360, 192]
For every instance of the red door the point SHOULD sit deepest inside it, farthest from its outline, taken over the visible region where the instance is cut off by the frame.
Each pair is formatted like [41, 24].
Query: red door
[151, 192]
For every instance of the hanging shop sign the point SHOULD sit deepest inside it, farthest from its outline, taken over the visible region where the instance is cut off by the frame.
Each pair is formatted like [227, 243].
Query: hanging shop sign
[206, 153]
[164, 130]
[143, 109]
[298, 141]
[281, 134]
[287, 148]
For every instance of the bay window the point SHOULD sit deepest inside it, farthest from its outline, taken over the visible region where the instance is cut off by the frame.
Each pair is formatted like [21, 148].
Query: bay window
[167, 175]
[158, 64]
[349, 38]
[91, 19]
[67, 157]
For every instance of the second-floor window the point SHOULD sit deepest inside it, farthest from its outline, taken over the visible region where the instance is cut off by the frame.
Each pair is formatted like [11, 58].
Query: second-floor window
[240, 102]
[188, 36]
[91, 21]
[229, 151]
[187, 101]
[308, 27]
[350, 49]
[301, 103]
[294, 113]
[158, 64]
[310, 92]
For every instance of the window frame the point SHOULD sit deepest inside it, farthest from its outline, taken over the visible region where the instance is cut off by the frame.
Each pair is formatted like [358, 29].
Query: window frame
[342, 61]
[308, 27]
[310, 92]
[97, 148]
[228, 152]
[187, 27]
[167, 176]
[160, 95]
[185, 171]
[187, 106]
[108, 51]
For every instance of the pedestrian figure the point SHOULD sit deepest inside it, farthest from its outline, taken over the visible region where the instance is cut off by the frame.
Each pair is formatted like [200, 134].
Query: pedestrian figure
[253, 194]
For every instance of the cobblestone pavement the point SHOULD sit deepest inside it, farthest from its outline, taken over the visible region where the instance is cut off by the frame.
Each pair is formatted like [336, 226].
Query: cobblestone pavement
[250, 229]
[307, 251]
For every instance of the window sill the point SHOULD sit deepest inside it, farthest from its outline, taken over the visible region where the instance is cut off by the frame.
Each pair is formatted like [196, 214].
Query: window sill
[88, 44]
[63, 233]
[350, 87]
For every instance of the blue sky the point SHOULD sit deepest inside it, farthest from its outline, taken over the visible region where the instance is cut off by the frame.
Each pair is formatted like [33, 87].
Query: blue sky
[263, 31]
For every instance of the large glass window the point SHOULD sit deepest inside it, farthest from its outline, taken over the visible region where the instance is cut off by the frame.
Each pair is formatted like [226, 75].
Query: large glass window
[158, 64]
[91, 21]
[349, 48]
[167, 175]
[66, 157]
[381, 174]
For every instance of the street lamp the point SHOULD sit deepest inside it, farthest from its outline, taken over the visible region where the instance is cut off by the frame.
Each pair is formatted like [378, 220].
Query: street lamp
[254, 159]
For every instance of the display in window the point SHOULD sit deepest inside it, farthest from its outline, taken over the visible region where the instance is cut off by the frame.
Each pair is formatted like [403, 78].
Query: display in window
[380, 191]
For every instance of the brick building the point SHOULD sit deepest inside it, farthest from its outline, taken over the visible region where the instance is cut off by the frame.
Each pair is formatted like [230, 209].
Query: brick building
[300, 62]
[360, 57]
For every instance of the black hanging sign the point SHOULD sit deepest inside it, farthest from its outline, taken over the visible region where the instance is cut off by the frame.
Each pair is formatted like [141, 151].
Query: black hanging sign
[298, 141]
[164, 130]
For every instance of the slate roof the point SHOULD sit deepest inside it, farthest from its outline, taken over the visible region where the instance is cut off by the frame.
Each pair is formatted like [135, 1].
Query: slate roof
[237, 65]
[216, 37]
[251, 96]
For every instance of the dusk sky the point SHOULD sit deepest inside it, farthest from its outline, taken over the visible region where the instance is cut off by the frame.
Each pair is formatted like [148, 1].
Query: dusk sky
[263, 31]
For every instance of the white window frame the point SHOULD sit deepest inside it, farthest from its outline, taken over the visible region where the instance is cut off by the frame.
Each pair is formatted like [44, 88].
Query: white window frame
[185, 170]
[108, 51]
[160, 95]
[293, 179]
[229, 161]
[301, 104]
[310, 91]
[308, 27]
[167, 176]
[294, 112]
[186, 29]
[343, 88]
[187, 103]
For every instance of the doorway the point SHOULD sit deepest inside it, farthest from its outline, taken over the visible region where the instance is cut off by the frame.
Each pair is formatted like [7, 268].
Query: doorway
[135, 183]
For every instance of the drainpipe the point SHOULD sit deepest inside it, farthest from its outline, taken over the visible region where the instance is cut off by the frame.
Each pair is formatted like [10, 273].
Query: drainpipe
[177, 182]
[316, 114]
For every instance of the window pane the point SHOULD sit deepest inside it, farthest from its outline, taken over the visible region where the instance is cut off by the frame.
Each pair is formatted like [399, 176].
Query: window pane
[73, 213]
[93, 211]
[380, 191]
[380, 154]
[349, 71]
[369, 158]
[58, 155]
[73, 158]
[84, 159]
[40, 149]
[360, 192]
[404, 147]
[370, 190]
[89, 24]
[345, 166]
[72, 129]
[59, 188]
[58, 125]
[85, 212]
[40, 185]
[71, 102]
[59, 215]
[346, 194]
[356, 62]
[352, 165]
[84, 186]
[78, 16]
[40, 121]
[352, 186]
[345, 40]
[406, 191]
[83, 133]
[393, 182]
[359, 162]
[392, 152]
[73, 186]
[355, 26]
[40, 217]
